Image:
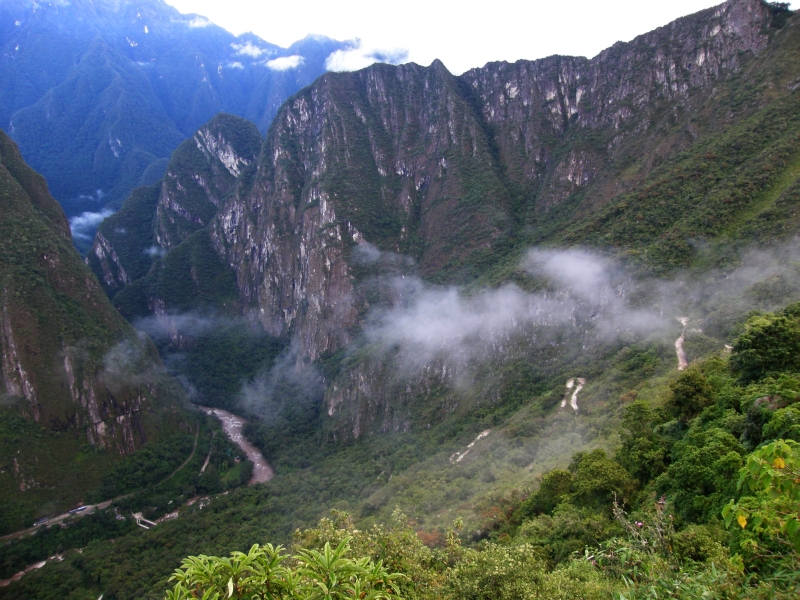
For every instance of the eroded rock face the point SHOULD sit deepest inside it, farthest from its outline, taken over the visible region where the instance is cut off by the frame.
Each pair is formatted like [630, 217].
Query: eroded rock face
[16, 379]
[527, 104]
[200, 174]
[112, 271]
[381, 155]
[417, 161]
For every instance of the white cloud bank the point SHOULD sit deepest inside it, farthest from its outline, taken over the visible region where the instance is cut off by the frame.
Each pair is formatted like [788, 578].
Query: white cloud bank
[199, 23]
[577, 290]
[84, 225]
[284, 63]
[360, 55]
[249, 49]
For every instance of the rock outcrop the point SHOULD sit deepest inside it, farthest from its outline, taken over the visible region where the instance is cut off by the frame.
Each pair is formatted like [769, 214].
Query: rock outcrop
[156, 219]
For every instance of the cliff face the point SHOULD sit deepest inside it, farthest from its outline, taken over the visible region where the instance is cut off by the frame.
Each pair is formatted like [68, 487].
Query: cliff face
[70, 362]
[450, 169]
[156, 219]
[450, 175]
[625, 92]
[384, 155]
[201, 173]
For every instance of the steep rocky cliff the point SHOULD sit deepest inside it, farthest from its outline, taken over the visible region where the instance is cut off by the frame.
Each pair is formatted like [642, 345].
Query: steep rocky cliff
[72, 367]
[559, 122]
[457, 175]
[156, 219]
[451, 171]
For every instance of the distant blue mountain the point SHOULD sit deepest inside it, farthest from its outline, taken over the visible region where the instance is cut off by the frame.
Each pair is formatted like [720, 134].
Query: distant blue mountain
[98, 93]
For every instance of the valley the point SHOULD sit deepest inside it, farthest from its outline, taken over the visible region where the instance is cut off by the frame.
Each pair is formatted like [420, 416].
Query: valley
[530, 331]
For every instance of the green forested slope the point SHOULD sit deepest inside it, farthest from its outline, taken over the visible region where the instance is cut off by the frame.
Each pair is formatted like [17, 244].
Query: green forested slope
[692, 218]
[80, 388]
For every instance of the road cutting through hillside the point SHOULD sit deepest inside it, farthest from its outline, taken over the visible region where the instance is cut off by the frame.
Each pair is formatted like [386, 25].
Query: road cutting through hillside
[458, 456]
[682, 362]
[574, 400]
[232, 425]
[88, 509]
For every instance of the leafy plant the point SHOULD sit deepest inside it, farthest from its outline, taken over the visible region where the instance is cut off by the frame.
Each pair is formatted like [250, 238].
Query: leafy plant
[268, 573]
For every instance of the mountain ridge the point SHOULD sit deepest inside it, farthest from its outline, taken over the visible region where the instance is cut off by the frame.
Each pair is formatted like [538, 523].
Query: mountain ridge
[148, 77]
[73, 369]
[521, 154]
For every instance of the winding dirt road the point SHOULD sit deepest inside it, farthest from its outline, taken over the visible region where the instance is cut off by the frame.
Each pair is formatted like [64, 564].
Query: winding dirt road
[682, 362]
[233, 425]
[574, 400]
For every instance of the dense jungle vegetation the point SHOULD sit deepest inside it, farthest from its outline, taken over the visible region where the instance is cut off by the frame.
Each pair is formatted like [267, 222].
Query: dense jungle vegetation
[663, 484]
[698, 498]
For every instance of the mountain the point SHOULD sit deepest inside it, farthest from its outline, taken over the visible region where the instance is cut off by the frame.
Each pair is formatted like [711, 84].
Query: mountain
[536, 152]
[553, 301]
[79, 387]
[158, 218]
[98, 93]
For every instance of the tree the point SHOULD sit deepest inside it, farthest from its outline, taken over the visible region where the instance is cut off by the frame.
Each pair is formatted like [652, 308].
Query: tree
[768, 512]
[326, 574]
[769, 344]
[691, 393]
[596, 480]
[644, 454]
[554, 486]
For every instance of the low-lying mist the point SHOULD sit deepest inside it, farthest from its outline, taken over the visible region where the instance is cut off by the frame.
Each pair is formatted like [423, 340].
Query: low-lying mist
[576, 296]
[581, 289]
[231, 362]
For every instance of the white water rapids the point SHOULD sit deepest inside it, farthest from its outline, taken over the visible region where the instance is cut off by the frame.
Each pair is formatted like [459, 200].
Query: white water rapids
[233, 429]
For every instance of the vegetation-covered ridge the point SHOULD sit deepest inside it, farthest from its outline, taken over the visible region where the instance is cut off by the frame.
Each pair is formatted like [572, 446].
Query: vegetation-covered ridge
[412, 351]
[79, 387]
[702, 499]
[99, 93]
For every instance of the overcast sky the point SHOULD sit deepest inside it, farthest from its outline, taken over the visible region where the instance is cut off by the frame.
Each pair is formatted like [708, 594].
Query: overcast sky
[462, 34]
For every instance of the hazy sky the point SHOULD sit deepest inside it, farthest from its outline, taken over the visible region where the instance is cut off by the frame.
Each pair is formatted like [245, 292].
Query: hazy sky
[462, 34]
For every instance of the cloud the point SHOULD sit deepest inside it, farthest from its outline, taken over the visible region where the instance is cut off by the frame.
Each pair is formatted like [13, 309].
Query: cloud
[235, 65]
[587, 274]
[430, 322]
[369, 254]
[572, 292]
[198, 22]
[129, 363]
[289, 385]
[359, 56]
[249, 49]
[155, 251]
[84, 225]
[285, 63]
[174, 326]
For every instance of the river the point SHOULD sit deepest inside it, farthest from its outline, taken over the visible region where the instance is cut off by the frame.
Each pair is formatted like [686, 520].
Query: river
[233, 429]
